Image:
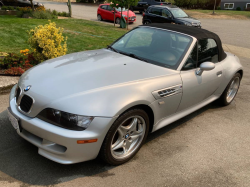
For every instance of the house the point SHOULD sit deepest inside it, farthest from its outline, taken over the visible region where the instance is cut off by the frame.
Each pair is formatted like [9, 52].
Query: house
[233, 4]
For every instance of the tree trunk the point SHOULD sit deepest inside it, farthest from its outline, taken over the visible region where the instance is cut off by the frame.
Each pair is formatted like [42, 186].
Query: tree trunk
[121, 17]
[70, 11]
[114, 17]
[32, 5]
[214, 6]
[127, 17]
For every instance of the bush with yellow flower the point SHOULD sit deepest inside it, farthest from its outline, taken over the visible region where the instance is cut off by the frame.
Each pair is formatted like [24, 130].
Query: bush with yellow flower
[47, 41]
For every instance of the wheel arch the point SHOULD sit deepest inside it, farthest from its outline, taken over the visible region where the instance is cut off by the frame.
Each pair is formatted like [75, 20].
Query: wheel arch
[147, 109]
[240, 72]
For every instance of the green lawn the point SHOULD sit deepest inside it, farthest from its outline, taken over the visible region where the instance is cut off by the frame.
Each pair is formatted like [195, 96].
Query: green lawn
[222, 12]
[82, 34]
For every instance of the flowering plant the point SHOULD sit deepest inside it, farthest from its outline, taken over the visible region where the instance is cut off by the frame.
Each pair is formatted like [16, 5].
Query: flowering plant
[47, 41]
[17, 64]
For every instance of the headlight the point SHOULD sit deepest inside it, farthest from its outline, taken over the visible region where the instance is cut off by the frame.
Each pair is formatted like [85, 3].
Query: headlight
[124, 16]
[65, 120]
[187, 24]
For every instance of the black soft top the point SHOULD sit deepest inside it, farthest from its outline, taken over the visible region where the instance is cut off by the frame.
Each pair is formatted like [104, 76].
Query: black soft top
[192, 31]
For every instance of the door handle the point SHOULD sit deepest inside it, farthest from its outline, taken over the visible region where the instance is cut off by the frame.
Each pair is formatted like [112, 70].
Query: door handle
[219, 73]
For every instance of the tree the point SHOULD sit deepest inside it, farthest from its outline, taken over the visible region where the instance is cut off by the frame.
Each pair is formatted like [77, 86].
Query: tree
[128, 4]
[70, 11]
[116, 4]
[214, 6]
[32, 5]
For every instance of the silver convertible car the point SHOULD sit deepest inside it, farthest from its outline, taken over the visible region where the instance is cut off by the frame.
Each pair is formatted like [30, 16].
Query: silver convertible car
[105, 102]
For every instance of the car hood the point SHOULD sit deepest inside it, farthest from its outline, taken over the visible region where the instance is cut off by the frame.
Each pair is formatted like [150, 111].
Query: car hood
[85, 72]
[189, 20]
[126, 13]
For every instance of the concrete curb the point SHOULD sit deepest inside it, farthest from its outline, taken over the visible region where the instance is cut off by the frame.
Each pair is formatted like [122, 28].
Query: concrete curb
[7, 82]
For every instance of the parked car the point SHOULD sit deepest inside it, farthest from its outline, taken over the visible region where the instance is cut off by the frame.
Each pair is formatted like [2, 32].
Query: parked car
[144, 4]
[169, 14]
[20, 3]
[106, 12]
[105, 102]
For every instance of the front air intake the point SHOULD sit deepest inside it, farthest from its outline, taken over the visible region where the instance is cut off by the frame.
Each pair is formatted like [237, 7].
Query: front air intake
[18, 91]
[26, 103]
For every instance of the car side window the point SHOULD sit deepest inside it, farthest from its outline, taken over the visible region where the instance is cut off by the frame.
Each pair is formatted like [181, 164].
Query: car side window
[156, 11]
[191, 62]
[109, 8]
[104, 7]
[207, 51]
[166, 13]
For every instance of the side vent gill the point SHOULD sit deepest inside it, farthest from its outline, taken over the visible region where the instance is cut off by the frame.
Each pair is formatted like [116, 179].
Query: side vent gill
[166, 92]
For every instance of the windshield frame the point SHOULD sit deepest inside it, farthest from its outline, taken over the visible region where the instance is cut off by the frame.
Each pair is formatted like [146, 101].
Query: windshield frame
[183, 56]
[171, 9]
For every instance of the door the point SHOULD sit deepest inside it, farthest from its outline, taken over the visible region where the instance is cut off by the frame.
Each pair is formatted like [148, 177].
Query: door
[197, 88]
[110, 13]
[155, 15]
[166, 16]
[103, 11]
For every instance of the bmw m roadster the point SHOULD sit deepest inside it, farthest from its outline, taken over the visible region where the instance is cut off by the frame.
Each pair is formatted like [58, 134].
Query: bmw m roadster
[105, 102]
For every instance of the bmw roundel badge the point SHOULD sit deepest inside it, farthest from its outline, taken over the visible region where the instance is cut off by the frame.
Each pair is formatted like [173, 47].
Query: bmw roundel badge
[27, 88]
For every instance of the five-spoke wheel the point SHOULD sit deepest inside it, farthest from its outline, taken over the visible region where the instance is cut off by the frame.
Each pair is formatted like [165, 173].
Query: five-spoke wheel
[231, 90]
[125, 137]
[128, 137]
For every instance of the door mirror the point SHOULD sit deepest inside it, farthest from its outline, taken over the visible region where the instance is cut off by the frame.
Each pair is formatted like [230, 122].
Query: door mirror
[205, 66]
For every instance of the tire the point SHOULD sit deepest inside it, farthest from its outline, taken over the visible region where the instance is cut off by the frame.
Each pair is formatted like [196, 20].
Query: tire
[230, 92]
[99, 17]
[125, 137]
[146, 22]
[117, 20]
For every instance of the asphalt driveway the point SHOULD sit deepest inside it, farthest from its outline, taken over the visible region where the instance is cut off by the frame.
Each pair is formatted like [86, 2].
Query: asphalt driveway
[210, 147]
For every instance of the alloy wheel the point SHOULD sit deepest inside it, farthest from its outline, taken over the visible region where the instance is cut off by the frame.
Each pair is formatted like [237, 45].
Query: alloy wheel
[128, 137]
[117, 21]
[99, 18]
[234, 86]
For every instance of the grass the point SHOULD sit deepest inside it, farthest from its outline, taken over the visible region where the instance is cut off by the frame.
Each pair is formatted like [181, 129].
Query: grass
[222, 12]
[82, 34]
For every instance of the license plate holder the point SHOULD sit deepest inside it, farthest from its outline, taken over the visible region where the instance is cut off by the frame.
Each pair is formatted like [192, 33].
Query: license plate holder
[15, 121]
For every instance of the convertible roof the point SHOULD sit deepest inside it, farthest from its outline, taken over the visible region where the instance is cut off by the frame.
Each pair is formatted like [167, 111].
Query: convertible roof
[192, 31]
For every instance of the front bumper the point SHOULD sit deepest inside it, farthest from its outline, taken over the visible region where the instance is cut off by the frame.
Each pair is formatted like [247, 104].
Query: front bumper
[59, 144]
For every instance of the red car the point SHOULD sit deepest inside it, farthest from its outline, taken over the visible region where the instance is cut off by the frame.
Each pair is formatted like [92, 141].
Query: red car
[106, 12]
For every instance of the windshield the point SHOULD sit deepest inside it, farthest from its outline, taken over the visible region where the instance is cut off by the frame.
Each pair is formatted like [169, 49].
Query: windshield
[119, 9]
[155, 46]
[178, 13]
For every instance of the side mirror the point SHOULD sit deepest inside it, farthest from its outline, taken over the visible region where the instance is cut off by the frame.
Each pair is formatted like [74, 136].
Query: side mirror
[205, 66]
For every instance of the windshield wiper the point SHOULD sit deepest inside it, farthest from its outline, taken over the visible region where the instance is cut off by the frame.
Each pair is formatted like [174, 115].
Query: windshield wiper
[109, 46]
[136, 57]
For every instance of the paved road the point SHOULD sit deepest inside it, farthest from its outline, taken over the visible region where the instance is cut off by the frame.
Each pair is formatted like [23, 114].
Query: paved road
[210, 147]
[233, 32]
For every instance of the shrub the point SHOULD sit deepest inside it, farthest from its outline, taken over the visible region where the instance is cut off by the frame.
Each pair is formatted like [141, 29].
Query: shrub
[54, 12]
[47, 41]
[238, 9]
[64, 14]
[43, 15]
[40, 8]
[23, 11]
[218, 8]
[7, 8]
[16, 64]
[14, 71]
